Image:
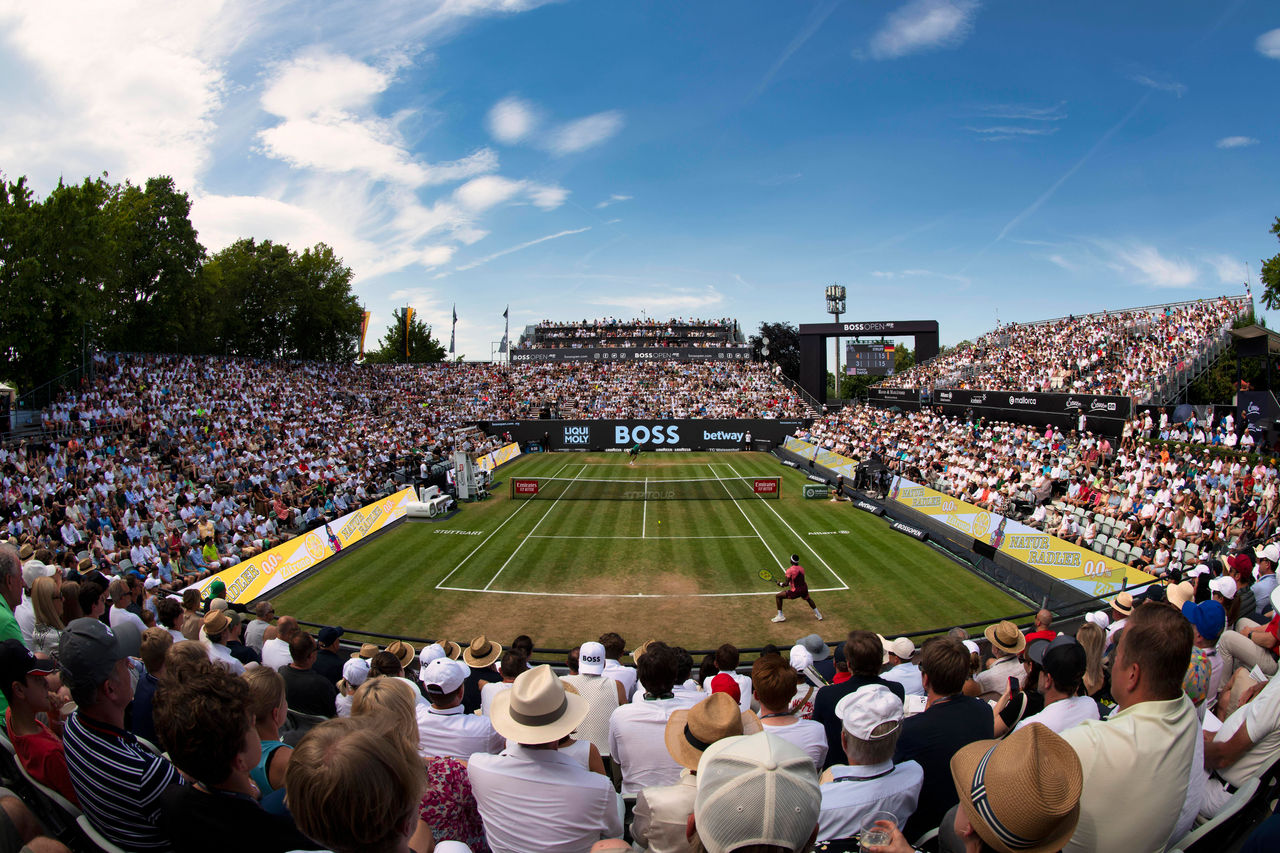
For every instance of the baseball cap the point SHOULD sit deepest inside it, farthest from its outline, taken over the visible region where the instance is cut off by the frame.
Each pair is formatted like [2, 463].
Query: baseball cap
[1270, 553]
[759, 768]
[33, 570]
[1224, 586]
[801, 657]
[17, 662]
[430, 652]
[88, 650]
[328, 634]
[355, 671]
[591, 658]
[1209, 617]
[1064, 659]
[1099, 618]
[864, 710]
[445, 675]
[725, 683]
[903, 648]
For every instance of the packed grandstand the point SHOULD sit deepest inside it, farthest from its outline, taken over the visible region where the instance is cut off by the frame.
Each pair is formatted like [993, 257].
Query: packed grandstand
[164, 469]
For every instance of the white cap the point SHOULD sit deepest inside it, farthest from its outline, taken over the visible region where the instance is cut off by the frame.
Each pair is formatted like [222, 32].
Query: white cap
[801, 658]
[151, 583]
[1100, 618]
[591, 659]
[431, 652]
[903, 648]
[445, 674]
[33, 570]
[1271, 553]
[755, 769]
[972, 647]
[355, 671]
[866, 708]
[1224, 586]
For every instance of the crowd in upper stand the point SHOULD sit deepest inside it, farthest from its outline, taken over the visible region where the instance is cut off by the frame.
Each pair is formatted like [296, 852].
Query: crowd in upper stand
[1113, 352]
[647, 332]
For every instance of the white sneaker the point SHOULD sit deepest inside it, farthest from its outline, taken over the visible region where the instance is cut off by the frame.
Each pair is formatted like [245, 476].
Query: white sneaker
[779, 618]
[818, 614]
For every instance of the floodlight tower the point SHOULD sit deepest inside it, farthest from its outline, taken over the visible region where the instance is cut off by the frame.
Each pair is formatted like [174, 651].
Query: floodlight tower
[835, 307]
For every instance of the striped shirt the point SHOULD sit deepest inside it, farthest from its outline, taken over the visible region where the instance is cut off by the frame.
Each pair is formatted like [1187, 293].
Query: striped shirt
[118, 783]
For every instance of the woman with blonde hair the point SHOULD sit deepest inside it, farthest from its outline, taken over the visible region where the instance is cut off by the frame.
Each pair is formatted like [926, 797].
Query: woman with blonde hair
[46, 601]
[1093, 639]
[448, 806]
[269, 707]
[70, 602]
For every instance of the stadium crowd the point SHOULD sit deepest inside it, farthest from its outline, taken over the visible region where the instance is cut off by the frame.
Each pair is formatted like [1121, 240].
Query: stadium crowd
[1111, 353]
[300, 744]
[190, 464]
[1157, 501]
[647, 332]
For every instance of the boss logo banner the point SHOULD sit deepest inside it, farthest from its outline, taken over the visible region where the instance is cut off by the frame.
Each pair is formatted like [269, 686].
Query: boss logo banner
[913, 532]
[657, 435]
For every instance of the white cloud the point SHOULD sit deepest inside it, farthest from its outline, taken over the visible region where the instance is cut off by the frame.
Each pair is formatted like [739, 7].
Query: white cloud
[1151, 267]
[489, 191]
[430, 307]
[1269, 44]
[1236, 142]
[519, 247]
[661, 299]
[1230, 270]
[923, 25]
[1060, 261]
[1002, 132]
[613, 199]
[511, 120]
[920, 273]
[581, 134]
[1177, 89]
[1024, 112]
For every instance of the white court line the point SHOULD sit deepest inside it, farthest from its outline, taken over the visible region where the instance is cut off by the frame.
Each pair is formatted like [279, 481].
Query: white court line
[818, 556]
[781, 565]
[623, 594]
[644, 518]
[559, 536]
[490, 536]
[523, 541]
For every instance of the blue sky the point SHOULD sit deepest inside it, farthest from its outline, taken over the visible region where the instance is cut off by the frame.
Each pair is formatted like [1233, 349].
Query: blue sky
[944, 159]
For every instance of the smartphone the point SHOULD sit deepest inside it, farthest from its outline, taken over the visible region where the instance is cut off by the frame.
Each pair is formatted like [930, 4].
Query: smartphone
[1014, 686]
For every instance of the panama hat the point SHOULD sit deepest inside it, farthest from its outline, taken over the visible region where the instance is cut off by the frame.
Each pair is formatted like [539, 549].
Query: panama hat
[482, 652]
[1004, 636]
[1179, 594]
[1021, 794]
[1123, 604]
[691, 730]
[367, 650]
[537, 709]
[404, 652]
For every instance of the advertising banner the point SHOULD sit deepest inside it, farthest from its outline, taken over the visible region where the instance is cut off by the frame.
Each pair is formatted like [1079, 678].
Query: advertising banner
[907, 399]
[1077, 566]
[263, 573]
[1102, 414]
[498, 457]
[652, 436]
[566, 354]
[812, 490]
[835, 462]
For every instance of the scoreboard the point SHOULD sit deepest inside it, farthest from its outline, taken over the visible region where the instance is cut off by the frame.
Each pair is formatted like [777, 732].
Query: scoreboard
[869, 359]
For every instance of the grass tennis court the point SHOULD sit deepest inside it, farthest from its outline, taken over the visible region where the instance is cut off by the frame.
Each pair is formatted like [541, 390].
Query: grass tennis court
[564, 567]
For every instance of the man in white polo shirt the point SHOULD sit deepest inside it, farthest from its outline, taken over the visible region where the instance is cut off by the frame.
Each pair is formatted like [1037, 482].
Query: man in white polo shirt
[901, 669]
[637, 731]
[445, 729]
[1246, 745]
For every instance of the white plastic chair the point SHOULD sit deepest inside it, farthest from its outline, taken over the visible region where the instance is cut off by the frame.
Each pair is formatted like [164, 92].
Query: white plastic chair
[1238, 801]
[97, 837]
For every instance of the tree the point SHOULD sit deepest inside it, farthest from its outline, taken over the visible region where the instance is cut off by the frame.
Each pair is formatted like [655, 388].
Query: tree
[784, 347]
[903, 358]
[422, 349]
[1271, 275]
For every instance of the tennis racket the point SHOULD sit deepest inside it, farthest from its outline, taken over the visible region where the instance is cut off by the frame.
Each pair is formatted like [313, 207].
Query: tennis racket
[766, 575]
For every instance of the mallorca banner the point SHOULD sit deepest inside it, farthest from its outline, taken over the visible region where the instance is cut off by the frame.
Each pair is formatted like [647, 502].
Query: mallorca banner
[1077, 566]
[259, 575]
[498, 457]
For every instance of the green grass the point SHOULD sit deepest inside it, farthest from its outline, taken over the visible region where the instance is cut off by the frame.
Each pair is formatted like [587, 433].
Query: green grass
[684, 571]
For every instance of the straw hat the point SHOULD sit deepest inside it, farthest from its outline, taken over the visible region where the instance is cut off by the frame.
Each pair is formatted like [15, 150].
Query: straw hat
[1179, 594]
[1005, 637]
[367, 650]
[1021, 794]
[404, 652]
[1122, 604]
[691, 730]
[482, 653]
[216, 622]
[537, 709]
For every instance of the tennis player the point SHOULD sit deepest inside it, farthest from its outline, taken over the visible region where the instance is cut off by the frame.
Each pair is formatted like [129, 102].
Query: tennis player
[796, 587]
[634, 453]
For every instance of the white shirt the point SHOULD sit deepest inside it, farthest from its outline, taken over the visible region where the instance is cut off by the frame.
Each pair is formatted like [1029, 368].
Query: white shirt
[1262, 716]
[908, 675]
[625, 675]
[275, 653]
[121, 616]
[744, 688]
[870, 788]
[637, 741]
[219, 653]
[453, 732]
[487, 694]
[1064, 714]
[25, 614]
[809, 735]
[996, 679]
[574, 807]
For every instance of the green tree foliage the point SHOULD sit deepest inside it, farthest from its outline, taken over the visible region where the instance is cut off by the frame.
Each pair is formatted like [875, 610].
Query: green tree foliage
[422, 349]
[784, 347]
[119, 267]
[1271, 275]
[903, 358]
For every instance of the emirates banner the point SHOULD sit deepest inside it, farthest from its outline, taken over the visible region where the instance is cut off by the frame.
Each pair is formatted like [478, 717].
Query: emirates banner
[1087, 571]
[260, 575]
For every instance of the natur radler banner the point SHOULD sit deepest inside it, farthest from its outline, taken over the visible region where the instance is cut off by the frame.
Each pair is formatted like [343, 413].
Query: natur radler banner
[653, 436]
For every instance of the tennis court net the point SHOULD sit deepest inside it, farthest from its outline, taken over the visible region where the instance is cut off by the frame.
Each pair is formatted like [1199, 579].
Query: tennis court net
[695, 489]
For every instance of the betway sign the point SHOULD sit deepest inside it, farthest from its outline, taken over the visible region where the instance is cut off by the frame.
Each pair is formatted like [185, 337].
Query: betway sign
[651, 435]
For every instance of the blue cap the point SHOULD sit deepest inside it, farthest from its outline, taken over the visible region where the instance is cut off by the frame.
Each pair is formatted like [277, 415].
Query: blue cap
[1209, 618]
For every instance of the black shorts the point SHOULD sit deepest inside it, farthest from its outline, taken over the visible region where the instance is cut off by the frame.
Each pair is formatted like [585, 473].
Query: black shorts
[798, 592]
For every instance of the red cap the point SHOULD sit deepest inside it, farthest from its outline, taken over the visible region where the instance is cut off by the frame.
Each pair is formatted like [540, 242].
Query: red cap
[725, 683]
